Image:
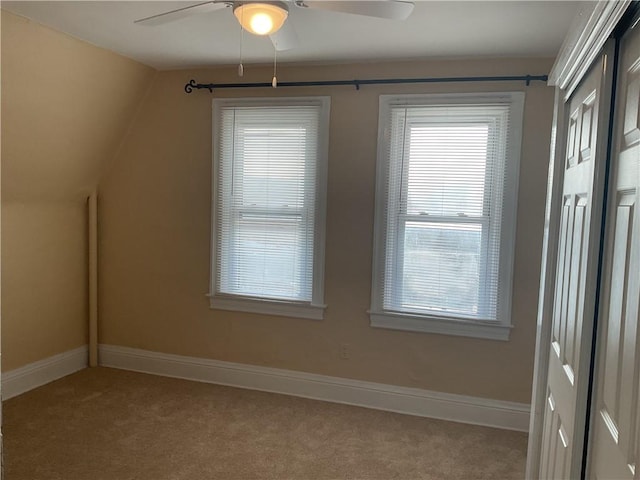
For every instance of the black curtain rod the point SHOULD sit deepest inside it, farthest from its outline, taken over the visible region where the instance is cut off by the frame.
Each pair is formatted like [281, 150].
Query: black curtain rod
[192, 85]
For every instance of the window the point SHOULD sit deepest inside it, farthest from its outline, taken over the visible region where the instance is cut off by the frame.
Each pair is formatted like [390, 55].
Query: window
[270, 161]
[446, 197]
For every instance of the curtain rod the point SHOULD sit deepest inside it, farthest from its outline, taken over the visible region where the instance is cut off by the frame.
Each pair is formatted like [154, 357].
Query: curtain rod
[192, 85]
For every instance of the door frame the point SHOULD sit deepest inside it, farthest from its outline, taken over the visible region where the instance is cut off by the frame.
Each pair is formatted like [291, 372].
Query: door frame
[590, 30]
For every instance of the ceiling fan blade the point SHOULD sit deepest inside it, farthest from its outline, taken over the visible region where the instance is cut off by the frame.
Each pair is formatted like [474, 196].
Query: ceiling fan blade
[391, 9]
[286, 38]
[173, 15]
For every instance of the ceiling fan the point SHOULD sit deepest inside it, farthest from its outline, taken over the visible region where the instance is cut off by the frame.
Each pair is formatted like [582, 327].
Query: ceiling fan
[269, 17]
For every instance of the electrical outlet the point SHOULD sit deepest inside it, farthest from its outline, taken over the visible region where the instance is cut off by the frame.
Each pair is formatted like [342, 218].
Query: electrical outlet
[345, 353]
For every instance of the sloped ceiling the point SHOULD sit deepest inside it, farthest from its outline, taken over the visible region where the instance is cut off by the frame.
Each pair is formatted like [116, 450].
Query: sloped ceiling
[66, 106]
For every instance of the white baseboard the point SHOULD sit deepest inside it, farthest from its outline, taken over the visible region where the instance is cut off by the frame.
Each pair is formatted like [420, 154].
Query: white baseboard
[23, 379]
[411, 401]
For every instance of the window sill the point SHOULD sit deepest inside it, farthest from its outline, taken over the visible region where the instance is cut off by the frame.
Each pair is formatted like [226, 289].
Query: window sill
[445, 326]
[267, 307]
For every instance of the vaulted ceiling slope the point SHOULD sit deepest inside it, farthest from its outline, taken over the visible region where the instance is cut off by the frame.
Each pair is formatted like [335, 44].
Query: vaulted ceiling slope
[66, 106]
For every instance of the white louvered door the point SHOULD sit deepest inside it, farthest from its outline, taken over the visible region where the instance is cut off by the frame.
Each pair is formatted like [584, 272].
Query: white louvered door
[615, 442]
[576, 273]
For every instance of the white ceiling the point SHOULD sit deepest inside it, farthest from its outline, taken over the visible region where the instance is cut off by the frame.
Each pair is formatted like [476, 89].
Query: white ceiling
[435, 29]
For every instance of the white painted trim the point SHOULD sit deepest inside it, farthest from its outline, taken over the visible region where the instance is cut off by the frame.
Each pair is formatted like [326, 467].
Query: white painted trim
[591, 28]
[411, 401]
[92, 277]
[497, 328]
[441, 325]
[267, 307]
[555, 179]
[315, 308]
[23, 379]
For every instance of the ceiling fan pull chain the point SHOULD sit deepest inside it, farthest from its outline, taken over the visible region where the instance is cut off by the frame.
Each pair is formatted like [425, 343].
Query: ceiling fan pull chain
[241, 67]
[274, 82]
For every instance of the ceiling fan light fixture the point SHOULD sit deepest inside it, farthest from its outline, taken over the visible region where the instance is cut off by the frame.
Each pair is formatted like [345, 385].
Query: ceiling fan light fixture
[261, 18]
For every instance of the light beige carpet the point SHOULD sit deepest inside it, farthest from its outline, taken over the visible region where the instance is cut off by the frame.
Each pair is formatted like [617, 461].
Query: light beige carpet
[109, 424]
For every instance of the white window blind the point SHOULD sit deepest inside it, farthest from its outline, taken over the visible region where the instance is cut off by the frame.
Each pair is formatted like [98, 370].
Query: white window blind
[270, 159]
[448, 174]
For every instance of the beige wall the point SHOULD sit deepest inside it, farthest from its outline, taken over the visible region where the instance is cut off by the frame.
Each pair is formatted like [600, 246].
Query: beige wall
[44, 281]
[66, 106]
[154, 239]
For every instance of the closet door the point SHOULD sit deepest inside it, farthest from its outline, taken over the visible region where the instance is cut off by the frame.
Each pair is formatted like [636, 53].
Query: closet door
[576, 273]
[615, 442]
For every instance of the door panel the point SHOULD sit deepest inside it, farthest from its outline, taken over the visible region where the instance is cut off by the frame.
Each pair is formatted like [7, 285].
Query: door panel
[576, 271]
[555, 439]
[614, 449]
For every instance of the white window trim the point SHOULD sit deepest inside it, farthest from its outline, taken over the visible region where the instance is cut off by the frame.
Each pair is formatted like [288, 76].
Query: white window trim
[267, 306]
[442, 325]
[313, 310]
[494, 330]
